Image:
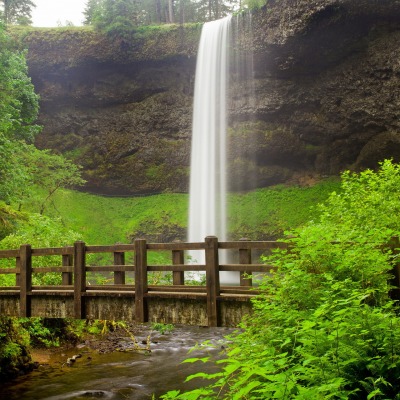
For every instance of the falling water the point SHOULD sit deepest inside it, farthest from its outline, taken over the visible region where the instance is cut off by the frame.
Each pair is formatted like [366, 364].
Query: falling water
[208, 182]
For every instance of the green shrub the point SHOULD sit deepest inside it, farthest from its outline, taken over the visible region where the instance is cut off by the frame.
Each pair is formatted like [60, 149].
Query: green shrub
[14, 344]
[162, 328]
[41, 332]
[324, 326]
[39, 231]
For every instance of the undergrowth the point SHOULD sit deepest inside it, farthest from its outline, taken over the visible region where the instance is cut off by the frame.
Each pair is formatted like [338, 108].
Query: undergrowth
[324, 326]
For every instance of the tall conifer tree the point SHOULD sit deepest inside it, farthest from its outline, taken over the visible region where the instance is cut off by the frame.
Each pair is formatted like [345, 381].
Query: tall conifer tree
[17, 11]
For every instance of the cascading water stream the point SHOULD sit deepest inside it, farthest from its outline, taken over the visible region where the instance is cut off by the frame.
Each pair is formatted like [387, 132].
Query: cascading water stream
[121, 375]
[208, 177]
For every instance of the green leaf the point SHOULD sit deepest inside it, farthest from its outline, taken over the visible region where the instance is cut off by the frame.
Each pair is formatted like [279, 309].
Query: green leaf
[195, 359]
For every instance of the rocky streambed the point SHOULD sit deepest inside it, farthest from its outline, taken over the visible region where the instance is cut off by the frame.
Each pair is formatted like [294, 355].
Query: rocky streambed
[133, 363]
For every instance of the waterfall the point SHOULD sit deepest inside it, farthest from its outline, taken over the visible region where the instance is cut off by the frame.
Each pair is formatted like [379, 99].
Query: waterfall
[208, 176]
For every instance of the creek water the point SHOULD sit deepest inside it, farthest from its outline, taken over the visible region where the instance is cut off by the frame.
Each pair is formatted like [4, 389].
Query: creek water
[123, 375]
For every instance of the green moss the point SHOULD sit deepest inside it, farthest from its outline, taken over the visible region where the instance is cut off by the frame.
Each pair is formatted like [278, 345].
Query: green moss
[155, 172]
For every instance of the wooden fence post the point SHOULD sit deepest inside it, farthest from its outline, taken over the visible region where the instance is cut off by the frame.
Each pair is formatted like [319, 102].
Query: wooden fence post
[141, 287]
[79, 279]
[212, 279]
[119, 276]
[245, 258]
[178, 257]
[17, 266]
[25, 279]
[67, 262]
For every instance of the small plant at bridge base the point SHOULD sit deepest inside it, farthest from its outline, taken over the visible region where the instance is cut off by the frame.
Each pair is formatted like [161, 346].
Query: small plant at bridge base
[162, 328]
[136, 345]
[99, 327]
[324, 326]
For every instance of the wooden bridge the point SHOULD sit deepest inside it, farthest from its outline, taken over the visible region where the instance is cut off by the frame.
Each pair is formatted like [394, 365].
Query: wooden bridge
[129, 295]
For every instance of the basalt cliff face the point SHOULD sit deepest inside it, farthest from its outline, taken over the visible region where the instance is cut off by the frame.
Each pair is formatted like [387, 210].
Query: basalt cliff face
[320, 93]
[325, 94]
[120, 107]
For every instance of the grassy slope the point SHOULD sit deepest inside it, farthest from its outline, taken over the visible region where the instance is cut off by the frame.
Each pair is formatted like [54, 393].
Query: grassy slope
[107, 220]
[264, 213]
[268, 212]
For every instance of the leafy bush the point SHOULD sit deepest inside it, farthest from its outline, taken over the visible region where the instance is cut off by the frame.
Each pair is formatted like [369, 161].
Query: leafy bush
[39, 231]
[162, 328]
[324, 326]
[8, 219]
[18, 112]
[14, 343]
[41, 332]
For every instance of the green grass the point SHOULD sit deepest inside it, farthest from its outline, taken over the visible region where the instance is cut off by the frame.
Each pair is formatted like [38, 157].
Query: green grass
[266, 213]
[108, 220]
[261, 214]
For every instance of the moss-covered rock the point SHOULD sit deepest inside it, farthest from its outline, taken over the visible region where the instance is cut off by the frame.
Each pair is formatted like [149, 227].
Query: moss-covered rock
[15, 358]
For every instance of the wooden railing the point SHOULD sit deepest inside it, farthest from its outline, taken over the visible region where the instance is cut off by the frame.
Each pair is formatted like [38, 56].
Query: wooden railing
[74, 270]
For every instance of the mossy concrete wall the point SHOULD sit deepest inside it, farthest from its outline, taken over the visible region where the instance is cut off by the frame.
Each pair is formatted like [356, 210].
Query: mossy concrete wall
[114, 307]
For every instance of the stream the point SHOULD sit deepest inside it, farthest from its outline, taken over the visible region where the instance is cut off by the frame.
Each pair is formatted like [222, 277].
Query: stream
[122, 375]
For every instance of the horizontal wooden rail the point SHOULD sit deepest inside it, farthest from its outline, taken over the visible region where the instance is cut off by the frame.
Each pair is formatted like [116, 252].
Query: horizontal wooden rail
[15, 270]
[249, 268]
[175, 246]
[73, 270]
[51, 287]
[109, 249]
[176, 267]
[9, 253]
[52, 251]
[255, 245]
[36, 270]
[111, 268]
[6, 288]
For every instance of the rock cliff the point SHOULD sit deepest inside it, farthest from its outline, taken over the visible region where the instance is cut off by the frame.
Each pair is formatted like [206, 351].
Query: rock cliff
[322, 96]
[325, 92]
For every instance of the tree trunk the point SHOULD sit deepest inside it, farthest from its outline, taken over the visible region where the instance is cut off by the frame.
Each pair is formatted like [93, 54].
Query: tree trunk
[6, 11]
[171, 11]
[158, 11]
[181, 12]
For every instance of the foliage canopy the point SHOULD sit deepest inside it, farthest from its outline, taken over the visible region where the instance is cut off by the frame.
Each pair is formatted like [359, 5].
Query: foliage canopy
[21, 164]
[125, 15]
[16, 11]
[18, 111]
